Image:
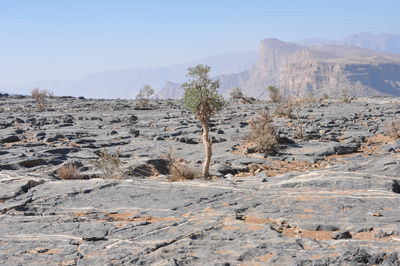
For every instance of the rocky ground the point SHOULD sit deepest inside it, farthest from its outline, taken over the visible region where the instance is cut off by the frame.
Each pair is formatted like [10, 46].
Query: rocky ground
[331, 198]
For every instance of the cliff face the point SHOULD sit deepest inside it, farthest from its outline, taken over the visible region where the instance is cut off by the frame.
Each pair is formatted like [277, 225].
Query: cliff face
[301, 70]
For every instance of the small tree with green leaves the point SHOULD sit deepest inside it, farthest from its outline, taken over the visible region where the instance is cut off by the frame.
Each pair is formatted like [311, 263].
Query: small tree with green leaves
[202, 98]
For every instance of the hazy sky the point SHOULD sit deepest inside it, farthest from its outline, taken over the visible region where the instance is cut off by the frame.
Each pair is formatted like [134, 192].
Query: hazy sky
[68, 39]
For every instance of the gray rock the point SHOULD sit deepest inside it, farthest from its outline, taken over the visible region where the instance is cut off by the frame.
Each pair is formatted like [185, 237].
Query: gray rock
[341, 235]
[10, 139]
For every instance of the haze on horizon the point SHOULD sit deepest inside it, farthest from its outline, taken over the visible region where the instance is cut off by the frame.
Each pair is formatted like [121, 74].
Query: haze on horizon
[70, 39]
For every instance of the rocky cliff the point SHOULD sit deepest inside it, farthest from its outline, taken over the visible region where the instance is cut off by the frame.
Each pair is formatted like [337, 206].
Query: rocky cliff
[316, 70]
[312, 70]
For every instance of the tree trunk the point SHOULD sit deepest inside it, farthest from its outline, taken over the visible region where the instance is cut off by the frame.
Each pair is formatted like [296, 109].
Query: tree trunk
[207, 148]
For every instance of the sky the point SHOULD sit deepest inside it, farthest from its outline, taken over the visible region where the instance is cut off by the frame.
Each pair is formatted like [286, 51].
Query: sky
[69, 39]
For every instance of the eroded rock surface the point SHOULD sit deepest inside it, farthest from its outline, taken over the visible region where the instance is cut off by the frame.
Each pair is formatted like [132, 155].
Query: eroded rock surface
[329, 199]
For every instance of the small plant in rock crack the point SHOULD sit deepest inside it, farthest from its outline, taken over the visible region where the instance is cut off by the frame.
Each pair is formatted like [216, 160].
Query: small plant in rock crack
[109, 164]
[263, 134]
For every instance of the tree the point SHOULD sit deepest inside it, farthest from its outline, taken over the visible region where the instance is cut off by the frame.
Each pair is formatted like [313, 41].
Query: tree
[202, 98]
[236, 93]
[144, 94]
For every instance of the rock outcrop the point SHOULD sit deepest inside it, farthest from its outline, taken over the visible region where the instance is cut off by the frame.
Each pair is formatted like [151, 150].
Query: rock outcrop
[316, 70]
[311, 70]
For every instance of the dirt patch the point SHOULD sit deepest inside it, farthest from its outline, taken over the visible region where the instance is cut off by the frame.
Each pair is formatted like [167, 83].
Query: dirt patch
[374, 143]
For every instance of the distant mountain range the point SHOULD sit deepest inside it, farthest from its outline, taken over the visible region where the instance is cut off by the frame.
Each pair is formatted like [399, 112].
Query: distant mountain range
[253, 71]
[380, 42]
[127, 83]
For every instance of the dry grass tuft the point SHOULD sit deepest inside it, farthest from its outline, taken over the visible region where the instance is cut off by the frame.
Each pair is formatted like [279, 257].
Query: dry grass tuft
[179, 170]
[69, 171]
[263, 134]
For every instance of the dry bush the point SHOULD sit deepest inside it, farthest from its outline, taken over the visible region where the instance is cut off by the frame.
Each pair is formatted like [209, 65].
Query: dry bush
[346, 96]
[275, 94]
[69, 171]
[297, 106]
[284, 108]
[40, 97]
[236, 93]
[263, 134]
[393, 129]
[109, 164]
[179, 170]
[144, 95]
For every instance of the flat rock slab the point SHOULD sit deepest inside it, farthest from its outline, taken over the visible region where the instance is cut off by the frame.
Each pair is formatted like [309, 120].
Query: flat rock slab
[241, 221]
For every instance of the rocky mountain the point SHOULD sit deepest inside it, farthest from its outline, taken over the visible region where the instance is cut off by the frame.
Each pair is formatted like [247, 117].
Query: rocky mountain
[127, 83]
[298, 69]
[379, 42]
[312, 70]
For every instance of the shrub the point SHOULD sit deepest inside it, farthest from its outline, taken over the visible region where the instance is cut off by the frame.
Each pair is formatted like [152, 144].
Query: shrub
[275, 94]
[298, 105]
[394, 129]
[263, 134]
[284, 108]
[40, 97]
[109, 164]
[236, 93]
[346, 96]
[144, 95]
[178, 170]
[69, 171]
